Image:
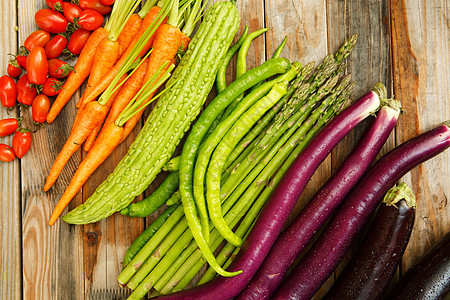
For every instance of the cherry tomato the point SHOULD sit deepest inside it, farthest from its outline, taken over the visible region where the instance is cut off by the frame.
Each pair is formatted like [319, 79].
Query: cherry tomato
[96, 5]
[108, 2]
[90, 20]
[52, 87]
[56, 5]
[40, 108]
[37, 38]
[58, 68]
[77, 40]
[25, 91]
[71, 11]
[6, 153]
[21, 142]
[9, 126]
[8, 91]
[14, 69]
[50, 20]
[22, 56]
[56, 46]
[37, 66]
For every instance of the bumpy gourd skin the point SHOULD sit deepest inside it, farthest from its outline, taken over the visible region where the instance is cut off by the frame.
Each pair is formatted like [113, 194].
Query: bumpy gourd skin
[168, 121]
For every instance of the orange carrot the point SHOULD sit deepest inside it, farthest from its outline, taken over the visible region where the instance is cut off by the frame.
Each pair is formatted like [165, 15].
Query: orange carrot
[76, 78]
[108, 78]
[88, 120]
[185, 40]
[165, 47]
[91, 138]
[128, 32]
[106, 142]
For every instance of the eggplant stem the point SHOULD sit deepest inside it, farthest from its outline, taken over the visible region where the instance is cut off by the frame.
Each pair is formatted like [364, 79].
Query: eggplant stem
[398, 193]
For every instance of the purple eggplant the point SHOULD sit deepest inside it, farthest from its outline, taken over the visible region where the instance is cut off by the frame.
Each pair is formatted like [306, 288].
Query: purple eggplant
[429, 278]
[295, 238]
[280, 205]
[323, 258]
[370, 271]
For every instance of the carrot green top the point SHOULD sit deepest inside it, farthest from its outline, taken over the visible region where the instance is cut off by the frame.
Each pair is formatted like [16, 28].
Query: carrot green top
[121, 12]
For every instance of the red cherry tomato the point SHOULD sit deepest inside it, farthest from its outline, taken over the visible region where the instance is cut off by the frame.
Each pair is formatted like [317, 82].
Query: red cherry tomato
[14, 69]
[56, 46]
[71, 11]
[8, 91]
[9, 126]
[58, 68]
[52, 87]
[56, 5]
[37, 38]
[6, 153]
[21, 142]
[96, 5]
[90, 20]
[25, 91]
[108, 2]
[40, 108]
[50, 20]
[77, 40]
[37, 66]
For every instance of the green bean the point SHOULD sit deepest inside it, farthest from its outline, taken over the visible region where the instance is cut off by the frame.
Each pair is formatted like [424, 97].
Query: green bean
[145, 236]
[215, 168]
[250, 78]
[150, 204]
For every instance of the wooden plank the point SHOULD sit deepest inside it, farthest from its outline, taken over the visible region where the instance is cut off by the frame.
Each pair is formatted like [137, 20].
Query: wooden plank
[10, 206]
[53, 257]
[421, 68]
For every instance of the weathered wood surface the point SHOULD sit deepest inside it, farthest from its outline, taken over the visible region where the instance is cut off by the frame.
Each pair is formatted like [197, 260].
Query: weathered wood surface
[403, 44]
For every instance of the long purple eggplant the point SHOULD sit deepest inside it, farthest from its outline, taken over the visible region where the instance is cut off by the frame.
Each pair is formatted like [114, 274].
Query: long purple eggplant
[280, 205]
[295, 238]
[370, 271]
[323, 258]
[429, 278]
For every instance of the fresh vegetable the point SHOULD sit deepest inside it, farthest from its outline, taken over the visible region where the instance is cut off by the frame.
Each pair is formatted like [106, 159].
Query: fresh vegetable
[25, 91]
[129, 31]
[143, 238]
[96, 5]
[14, 70]
[58, 68]
[52, 87]
[150, 204]
[37, 66]
[81, 72]
[56, 5]
[21, 142]
[50, 20]
[8, 91]
[40, 108]
[78, 40]
[283, 199]
[9, 126]
[108, 2]
[22, 56]
[6, 153]
[90, 20]
[55, 46]
[429, 278]
[71, 11]
[314, 269]
[37, 38]
[295, 238]
[370, 271]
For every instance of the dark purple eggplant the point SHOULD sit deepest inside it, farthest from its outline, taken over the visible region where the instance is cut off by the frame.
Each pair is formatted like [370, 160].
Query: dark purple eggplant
[429, 278]
[328, 251]
[370, 271]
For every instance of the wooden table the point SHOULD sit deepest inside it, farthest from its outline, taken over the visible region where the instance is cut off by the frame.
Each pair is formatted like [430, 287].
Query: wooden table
[404, 44]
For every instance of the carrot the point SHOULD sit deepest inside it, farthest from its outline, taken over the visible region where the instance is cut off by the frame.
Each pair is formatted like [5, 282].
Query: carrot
[108, 78]
[185, 40]
[106, 142]
[91, 138]
[81, 72]
[128, 33]
[165, 47]
[87, 121]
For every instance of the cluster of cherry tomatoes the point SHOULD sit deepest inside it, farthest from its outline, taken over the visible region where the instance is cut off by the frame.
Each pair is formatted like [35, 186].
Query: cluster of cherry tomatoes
[65, 28]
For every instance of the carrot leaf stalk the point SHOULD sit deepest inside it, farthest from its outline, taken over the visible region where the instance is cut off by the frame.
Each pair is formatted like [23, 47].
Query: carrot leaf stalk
[122, 11]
